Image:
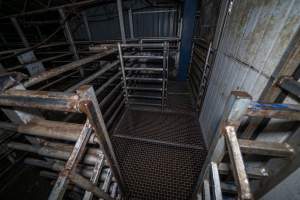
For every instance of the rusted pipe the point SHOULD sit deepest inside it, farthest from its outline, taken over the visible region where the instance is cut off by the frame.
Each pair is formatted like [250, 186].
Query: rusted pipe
[70, 66]
[58, 166]
[49, 129]
[50, 152]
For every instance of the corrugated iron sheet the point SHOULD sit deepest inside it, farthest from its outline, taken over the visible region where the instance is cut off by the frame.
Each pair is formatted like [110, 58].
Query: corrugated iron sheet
[256, 35]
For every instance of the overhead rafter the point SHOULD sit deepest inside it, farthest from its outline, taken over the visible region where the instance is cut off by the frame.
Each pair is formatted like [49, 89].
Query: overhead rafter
[80, 3]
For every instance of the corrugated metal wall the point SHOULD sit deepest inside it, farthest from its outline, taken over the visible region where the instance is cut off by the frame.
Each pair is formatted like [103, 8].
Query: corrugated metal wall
[160, 23]
[151, 22]
[256, 35]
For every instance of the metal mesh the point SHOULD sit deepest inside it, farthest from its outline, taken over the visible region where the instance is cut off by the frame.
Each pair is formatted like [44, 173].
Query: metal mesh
[180, 103]
[160, 154]
[156, 171]
[167, 127]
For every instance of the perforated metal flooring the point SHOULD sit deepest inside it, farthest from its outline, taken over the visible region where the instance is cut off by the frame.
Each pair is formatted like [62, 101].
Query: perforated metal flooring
[173, 128]
[160, 154]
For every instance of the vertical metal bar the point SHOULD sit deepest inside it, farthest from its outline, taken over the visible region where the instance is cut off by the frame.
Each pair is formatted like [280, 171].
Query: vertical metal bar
[95, 176]
[131, 23]
[2, 69]
[204, 80]
[87, 185]
[159, 25]
[107, 181]
[61, 184]
[89, 105]
[164, 75]
[20, 32]
[235, 108]
[29, 56]
[69, 37]
[121, 20]
[172, 21]
[237, 163]
[86, 24]
[190, 8]
[206, 189]
[68, 33]
[216, 182]
[123, 72]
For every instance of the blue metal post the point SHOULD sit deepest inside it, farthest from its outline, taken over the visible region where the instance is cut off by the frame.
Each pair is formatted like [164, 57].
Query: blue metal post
[189, 15]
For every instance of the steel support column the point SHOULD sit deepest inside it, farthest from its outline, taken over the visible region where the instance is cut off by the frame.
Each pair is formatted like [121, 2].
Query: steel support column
[69, 37]
[86, 24]
[121, 20]
[189, 13]
[130, 18]
[28, 59]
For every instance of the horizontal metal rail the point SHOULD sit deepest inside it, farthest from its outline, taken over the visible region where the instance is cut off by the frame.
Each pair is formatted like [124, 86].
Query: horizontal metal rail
[144, 88]
[107, 83]
[113, 117]
[62, 69]
[144, 79]
[290, 85]
[143, 69]
[273, 149]
[51, 152]
[149, 45]
[83, 101]
[279, 111]
[144, 96]
[37, 61]
[110, 95]
[49, 129]
[93, 76]
[143, 57]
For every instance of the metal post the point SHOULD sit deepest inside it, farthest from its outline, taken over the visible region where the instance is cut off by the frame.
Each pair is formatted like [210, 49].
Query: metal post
[91, 108]
[121, 20]
[64, 68]
[131, 23]
[20, 32]
[123, 72]
[95, 176]
[189, 13]
[86, 24]
[237, 163]
[70, 167]
[28, 57]
[216, 182]
[69, 37]
[204, 80]
[87, 185]
[235, 108]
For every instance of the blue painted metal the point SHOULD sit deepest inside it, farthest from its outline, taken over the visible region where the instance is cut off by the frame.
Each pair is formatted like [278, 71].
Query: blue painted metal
[189, 13]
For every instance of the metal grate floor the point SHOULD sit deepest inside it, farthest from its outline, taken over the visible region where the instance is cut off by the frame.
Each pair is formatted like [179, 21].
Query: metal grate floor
[160, 154]
[174, 128]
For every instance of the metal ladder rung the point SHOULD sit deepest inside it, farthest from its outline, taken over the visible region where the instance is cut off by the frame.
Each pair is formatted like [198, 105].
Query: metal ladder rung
[144, 96]
[144, 88]
[144, 57]
[143, 69]
[144, 104]
[266, 148]
[144, 79]
[252, 172]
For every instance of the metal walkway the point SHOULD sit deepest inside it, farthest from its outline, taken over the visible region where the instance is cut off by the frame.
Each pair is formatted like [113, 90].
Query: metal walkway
[160, 153]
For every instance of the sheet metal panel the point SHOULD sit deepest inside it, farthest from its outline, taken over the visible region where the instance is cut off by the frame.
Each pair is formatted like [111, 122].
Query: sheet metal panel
[256, 35]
